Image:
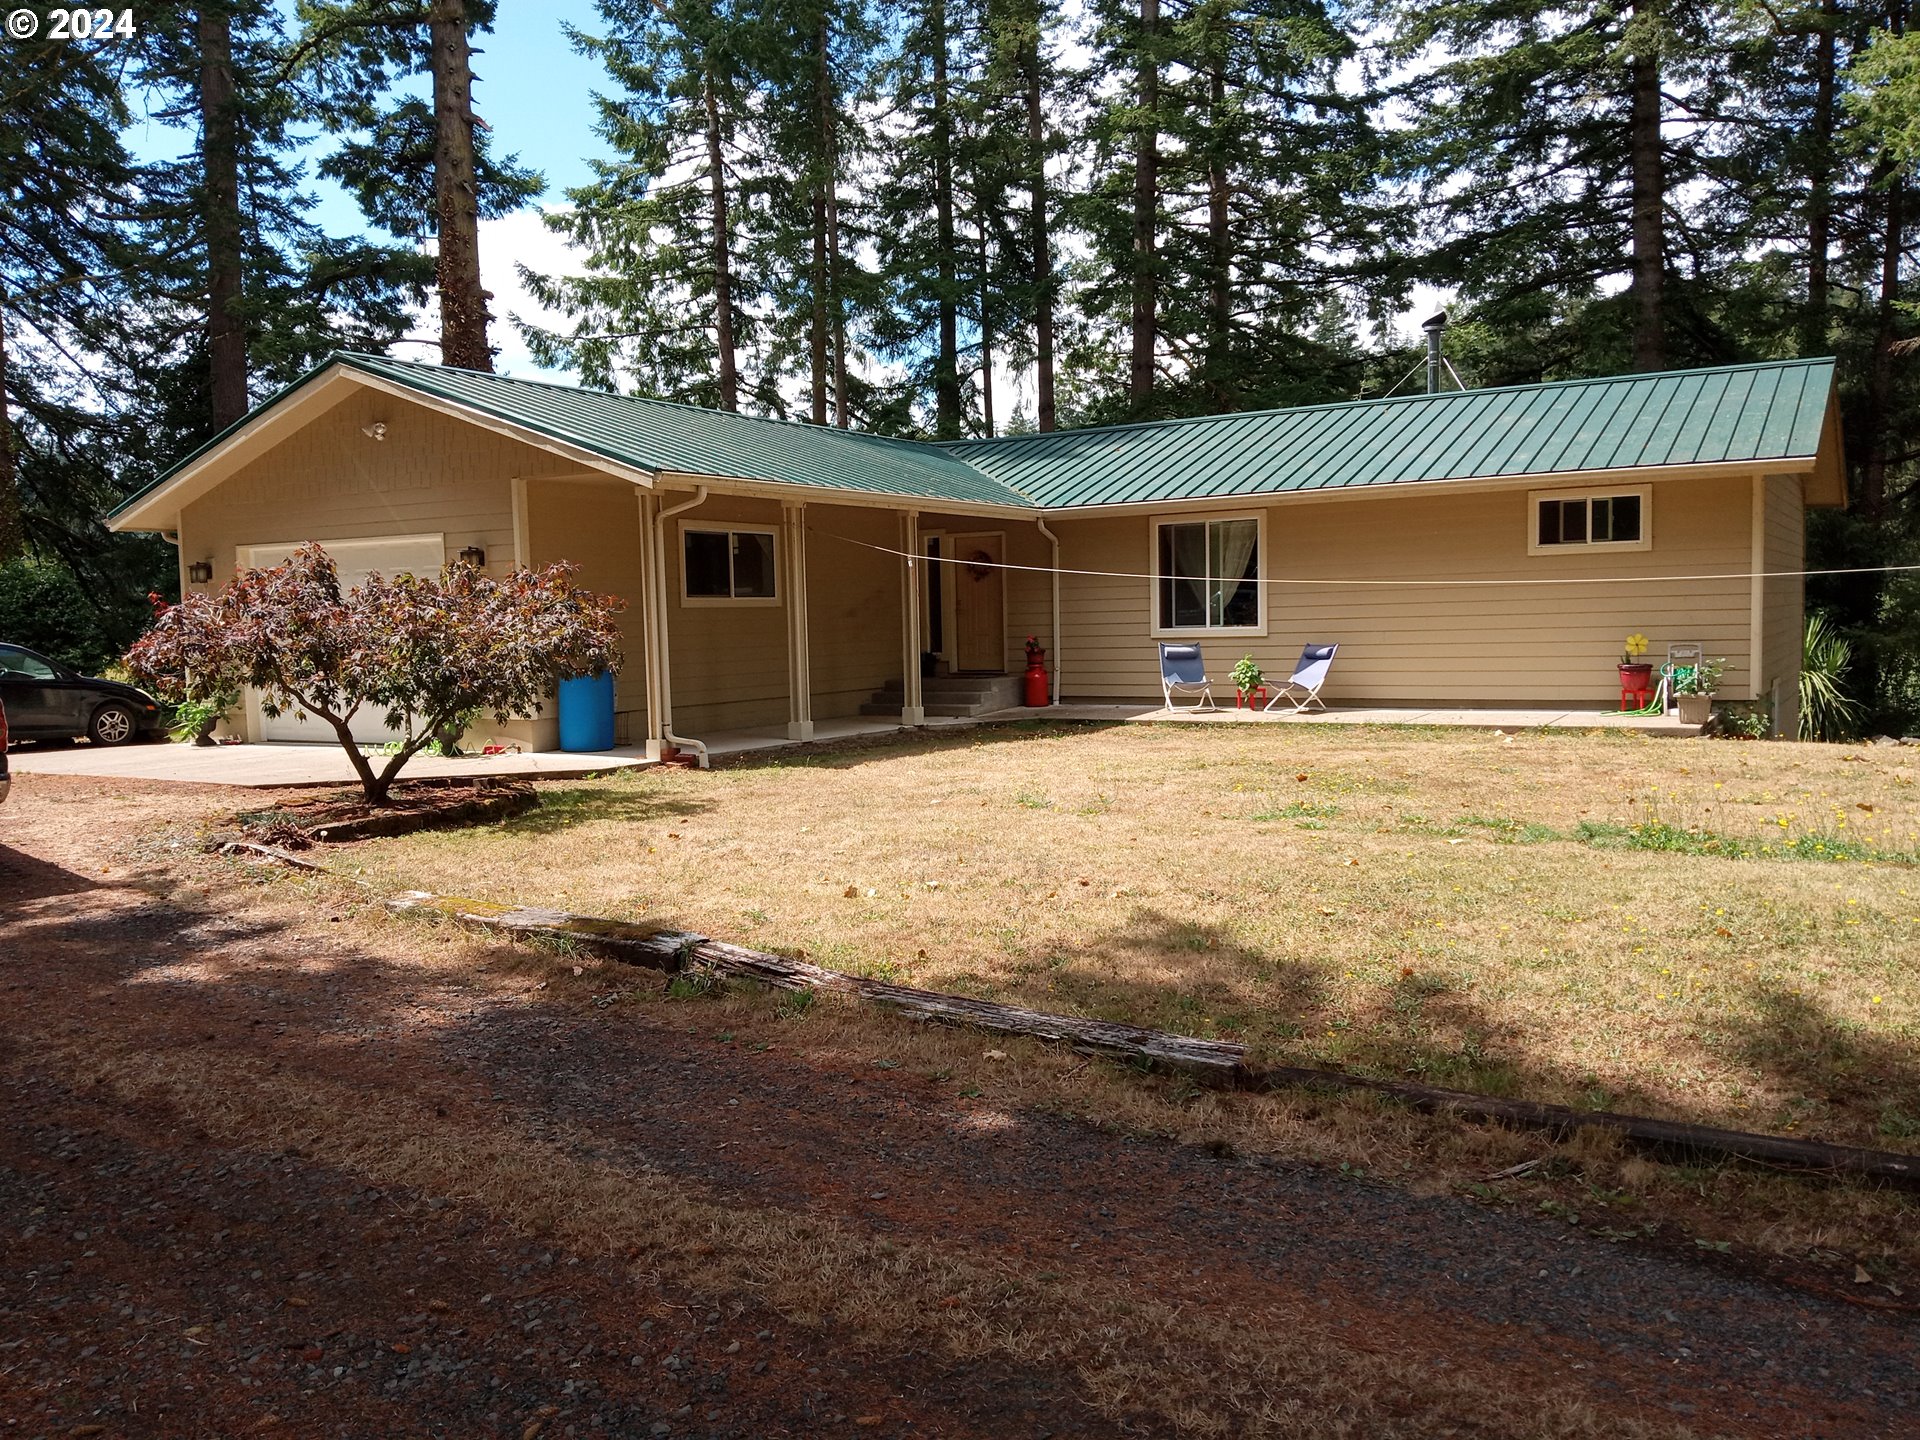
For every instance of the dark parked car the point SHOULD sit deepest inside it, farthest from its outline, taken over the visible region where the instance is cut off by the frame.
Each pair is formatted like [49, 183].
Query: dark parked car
[6, 779]
[46, 701]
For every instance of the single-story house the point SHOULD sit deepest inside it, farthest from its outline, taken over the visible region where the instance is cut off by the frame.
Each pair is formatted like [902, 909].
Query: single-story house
[1480, 547]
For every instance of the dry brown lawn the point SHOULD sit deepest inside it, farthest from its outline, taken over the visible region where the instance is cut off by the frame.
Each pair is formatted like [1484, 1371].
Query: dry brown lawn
[1393, 901]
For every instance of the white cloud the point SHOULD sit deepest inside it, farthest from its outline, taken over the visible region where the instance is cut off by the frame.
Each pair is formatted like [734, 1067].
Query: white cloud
[521, 238]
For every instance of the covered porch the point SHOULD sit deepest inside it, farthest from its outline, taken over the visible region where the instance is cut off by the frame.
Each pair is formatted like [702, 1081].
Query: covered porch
[759, 618]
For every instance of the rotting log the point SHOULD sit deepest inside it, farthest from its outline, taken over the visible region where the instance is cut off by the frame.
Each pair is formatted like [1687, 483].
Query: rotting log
[615, 939]
[1211, 1062]
[1670, 1136]
[1215, 1060]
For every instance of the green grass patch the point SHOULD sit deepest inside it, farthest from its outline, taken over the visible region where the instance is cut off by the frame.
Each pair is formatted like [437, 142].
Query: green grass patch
[1299, 810]
[1671, 839]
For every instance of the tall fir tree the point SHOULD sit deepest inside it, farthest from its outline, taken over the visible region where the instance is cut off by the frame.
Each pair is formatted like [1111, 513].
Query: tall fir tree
[419, 169]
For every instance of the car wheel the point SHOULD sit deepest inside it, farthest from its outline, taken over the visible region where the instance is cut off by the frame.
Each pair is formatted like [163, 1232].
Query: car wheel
[112, 724]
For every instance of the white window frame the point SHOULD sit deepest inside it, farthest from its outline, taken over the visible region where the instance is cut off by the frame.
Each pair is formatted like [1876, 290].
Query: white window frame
[1597, 492]
[1260, 575]
[729, 529]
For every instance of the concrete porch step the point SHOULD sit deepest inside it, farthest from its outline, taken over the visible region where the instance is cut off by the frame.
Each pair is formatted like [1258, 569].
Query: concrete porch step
[956, 697]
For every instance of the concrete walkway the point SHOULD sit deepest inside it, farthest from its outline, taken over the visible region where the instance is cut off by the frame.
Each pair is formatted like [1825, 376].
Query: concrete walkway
[276, 766]
[1456, 719]
[271, 767]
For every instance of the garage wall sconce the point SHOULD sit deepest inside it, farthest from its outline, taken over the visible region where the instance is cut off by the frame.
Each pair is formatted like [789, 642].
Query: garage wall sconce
[473, 555]
[200, 572]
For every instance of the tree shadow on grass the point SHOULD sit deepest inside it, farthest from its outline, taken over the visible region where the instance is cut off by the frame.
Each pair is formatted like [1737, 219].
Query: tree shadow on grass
[24, 878]
[1853, 1076]
[561, 810]
[845, 754]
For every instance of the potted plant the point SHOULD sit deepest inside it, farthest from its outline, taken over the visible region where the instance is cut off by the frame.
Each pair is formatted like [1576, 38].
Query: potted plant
[1636, 675]
[1694, 687]
[1248, 681]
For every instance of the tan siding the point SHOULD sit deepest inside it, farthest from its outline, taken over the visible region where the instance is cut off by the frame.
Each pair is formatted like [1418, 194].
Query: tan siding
[1528, 644]
[329, 481]
[853, 605]
[1783, 600]
[596, 526]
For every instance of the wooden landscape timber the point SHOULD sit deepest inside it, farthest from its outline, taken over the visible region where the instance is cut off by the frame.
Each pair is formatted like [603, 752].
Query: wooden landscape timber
[1215, 1063]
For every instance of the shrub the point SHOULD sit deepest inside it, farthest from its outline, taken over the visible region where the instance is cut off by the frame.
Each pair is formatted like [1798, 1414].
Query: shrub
[1827, 711]
[420, 652]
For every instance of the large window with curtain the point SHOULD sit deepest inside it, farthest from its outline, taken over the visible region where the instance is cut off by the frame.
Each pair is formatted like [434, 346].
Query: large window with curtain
[1207, 574]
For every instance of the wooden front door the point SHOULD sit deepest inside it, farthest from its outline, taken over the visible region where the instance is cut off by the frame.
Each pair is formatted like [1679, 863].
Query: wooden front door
[979, 601]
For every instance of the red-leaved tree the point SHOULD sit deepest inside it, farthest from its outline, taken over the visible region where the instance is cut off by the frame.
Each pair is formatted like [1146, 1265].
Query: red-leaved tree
[425, 653]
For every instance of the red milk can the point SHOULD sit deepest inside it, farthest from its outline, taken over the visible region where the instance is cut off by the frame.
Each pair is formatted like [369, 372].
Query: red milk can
[1036, 679]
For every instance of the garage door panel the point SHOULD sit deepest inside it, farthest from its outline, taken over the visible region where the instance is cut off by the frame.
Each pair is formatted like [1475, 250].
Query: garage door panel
[355, 560]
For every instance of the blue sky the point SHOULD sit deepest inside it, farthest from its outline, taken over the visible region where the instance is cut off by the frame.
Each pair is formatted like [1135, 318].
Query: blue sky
[536, 93]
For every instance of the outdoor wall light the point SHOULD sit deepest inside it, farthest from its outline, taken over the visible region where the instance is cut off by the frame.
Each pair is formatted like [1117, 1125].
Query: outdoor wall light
[200, 572]
[375, 431]
[473, 555]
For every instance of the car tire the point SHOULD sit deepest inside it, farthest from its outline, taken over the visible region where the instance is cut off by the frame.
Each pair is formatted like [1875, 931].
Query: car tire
[113, 724]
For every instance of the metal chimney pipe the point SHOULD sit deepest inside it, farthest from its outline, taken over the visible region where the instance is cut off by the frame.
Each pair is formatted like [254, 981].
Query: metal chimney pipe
[1435, 328]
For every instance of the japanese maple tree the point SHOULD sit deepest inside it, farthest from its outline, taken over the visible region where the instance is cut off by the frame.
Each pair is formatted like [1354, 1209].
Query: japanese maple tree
[424, 652]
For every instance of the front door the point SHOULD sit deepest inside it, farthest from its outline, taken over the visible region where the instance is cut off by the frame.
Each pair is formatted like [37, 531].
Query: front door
[979, 602]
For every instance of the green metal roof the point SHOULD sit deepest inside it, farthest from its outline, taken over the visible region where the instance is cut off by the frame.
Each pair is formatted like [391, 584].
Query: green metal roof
[1686, 417]
[1772, 411]
[662, 435]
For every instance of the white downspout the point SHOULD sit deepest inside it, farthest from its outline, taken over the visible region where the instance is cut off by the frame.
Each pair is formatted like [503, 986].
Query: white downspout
[1054, 689]
[660, 620]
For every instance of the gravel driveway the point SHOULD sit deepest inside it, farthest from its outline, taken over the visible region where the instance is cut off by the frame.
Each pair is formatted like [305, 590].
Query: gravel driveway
[168, 1274]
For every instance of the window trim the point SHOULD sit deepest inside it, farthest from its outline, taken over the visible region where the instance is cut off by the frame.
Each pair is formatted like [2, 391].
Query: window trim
[1596, 492]
[729, 528]
[1158, 631]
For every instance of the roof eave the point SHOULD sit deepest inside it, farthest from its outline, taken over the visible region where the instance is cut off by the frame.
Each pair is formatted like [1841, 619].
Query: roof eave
[1792, 464]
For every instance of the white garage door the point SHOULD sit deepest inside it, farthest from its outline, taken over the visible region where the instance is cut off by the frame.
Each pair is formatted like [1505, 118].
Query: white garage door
[356, 560]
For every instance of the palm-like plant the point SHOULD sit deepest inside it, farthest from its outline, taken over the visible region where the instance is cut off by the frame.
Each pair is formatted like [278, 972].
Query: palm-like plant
[1827, 712]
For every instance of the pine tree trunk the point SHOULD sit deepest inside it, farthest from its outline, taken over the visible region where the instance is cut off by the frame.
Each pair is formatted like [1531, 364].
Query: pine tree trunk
[12, 541]
[722, 252]
[1647, 160]
[1814, 334]
[837, 310]
[1042, 239]
[463, 301]
[817, 276]
[220, 160]
[1146, 182]
[1880, 369]
[1219, 252]
[839, 327]
[817, 319]
[946, 366]
[986, 326]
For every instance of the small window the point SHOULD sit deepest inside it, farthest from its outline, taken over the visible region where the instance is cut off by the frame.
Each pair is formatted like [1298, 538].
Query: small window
[727, 566]
[1207, 574]
[1586, 518]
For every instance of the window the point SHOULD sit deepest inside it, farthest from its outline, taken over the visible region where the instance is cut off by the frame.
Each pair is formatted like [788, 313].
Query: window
[1567, 519]
[723, 567]
[20, 664]
[1207, 574]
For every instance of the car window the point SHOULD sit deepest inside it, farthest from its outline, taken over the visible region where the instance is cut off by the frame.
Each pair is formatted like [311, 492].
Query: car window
[18, 663]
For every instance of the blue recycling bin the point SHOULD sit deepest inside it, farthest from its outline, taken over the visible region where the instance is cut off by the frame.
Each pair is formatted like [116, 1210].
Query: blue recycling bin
[586, 713]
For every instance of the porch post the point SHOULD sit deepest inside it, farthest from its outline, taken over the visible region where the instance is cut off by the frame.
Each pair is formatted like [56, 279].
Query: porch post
[799, 652]
[912, 709]
[651, 619]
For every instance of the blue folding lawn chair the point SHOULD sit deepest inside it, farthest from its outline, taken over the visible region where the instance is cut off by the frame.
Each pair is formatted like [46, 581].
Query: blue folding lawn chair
[1302, 689]
[1183, 672]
